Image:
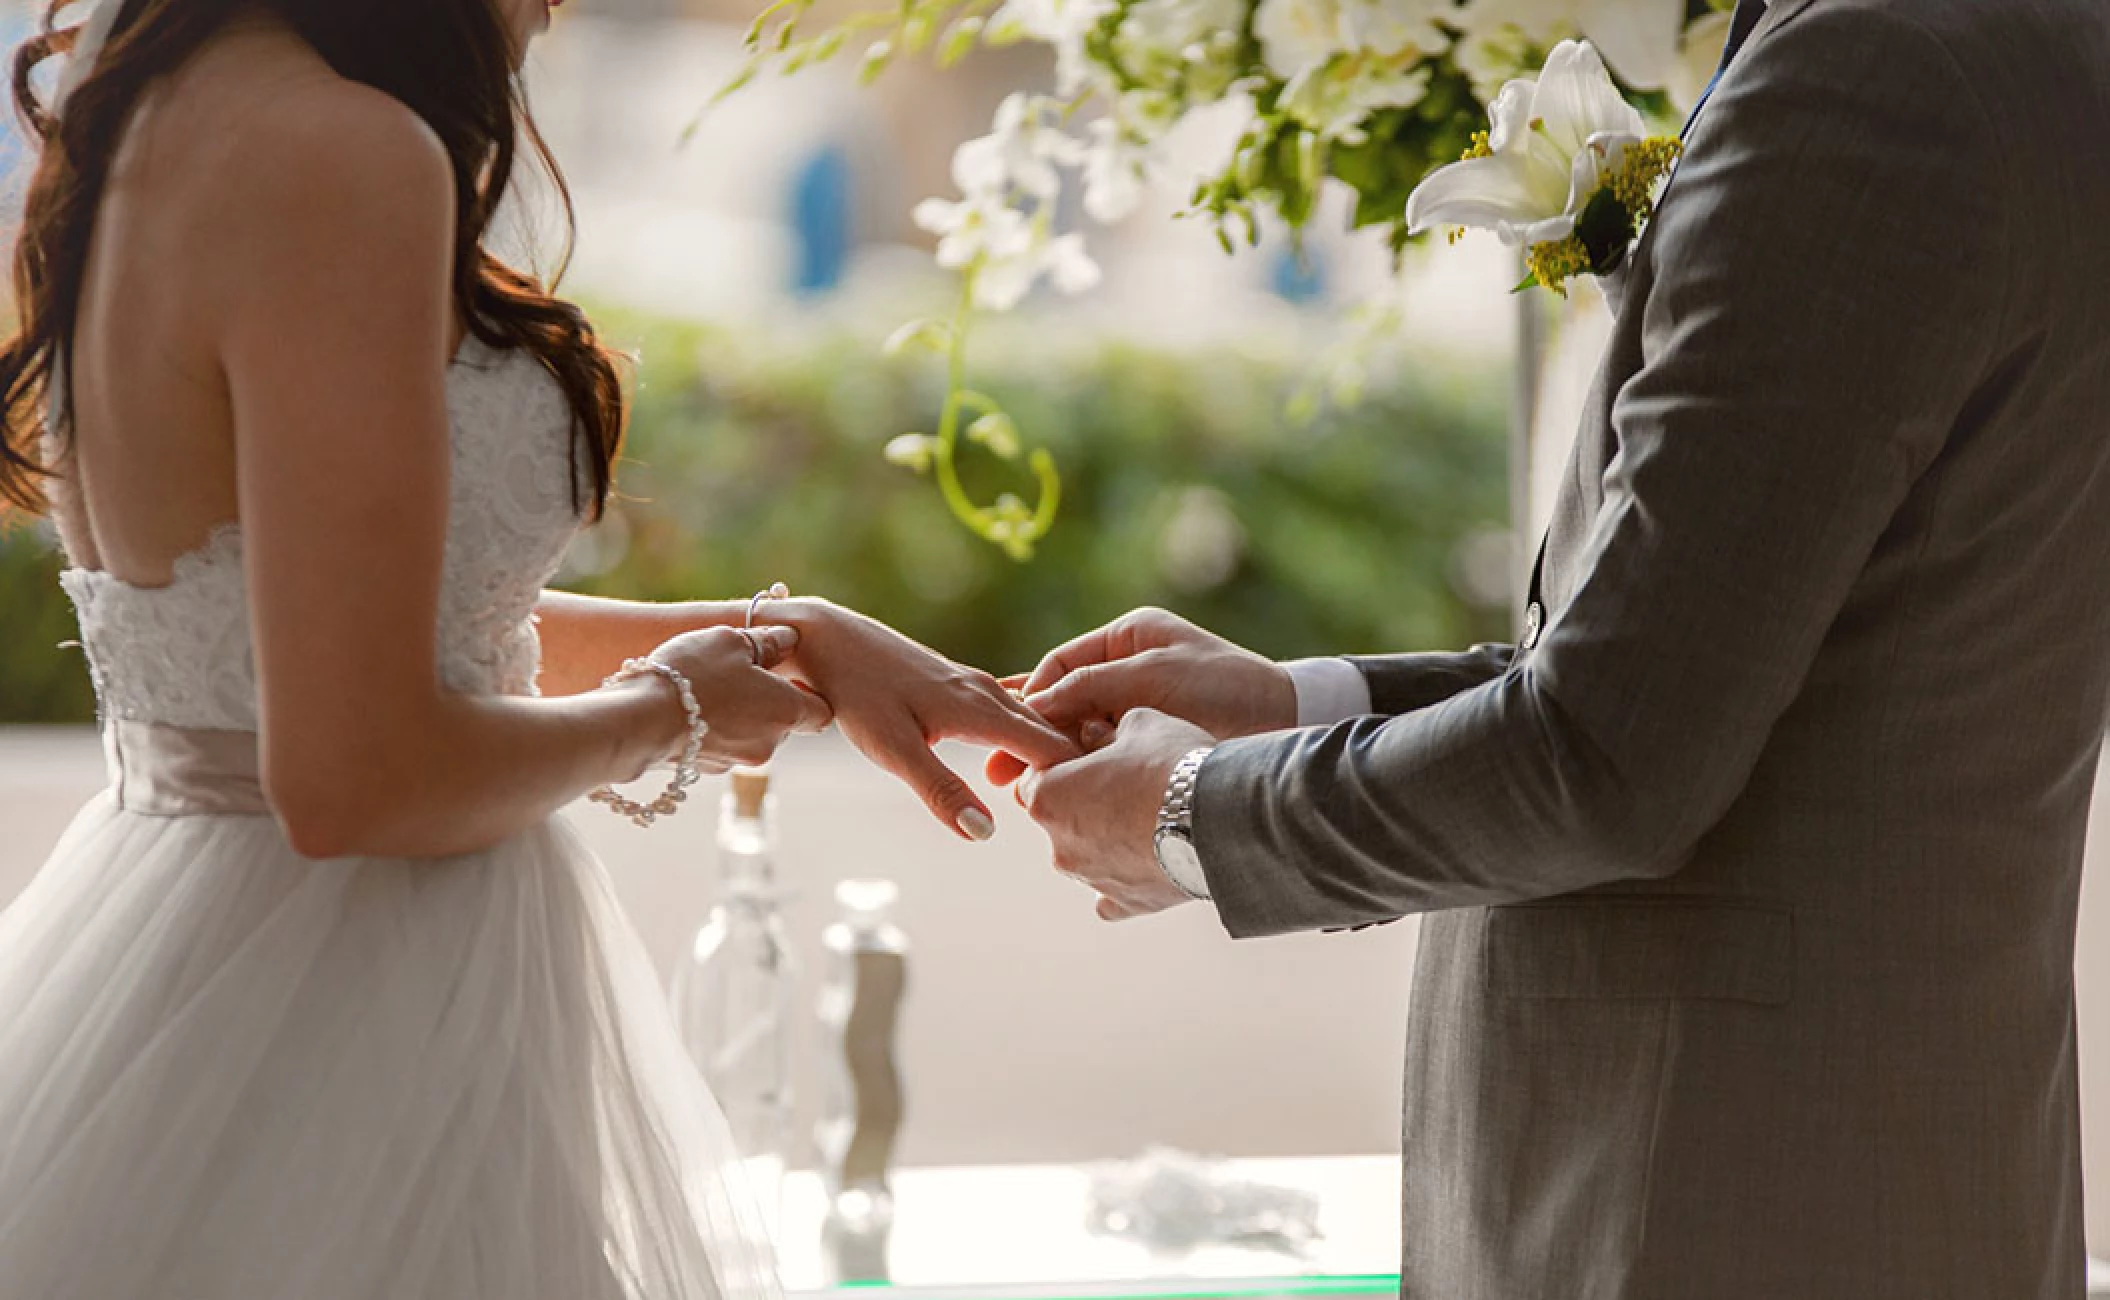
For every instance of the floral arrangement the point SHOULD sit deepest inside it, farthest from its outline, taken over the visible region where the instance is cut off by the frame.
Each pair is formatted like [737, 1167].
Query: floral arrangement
[1420, 108]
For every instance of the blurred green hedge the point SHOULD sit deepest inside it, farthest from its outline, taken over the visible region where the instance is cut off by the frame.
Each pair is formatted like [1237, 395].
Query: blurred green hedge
[752, 460]
[39, 681]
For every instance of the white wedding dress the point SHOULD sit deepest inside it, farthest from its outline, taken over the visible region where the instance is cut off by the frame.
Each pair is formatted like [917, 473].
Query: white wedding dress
[231, 1073]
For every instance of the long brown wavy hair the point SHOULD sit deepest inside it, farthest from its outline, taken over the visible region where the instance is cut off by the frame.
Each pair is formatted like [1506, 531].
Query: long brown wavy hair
[450, 61]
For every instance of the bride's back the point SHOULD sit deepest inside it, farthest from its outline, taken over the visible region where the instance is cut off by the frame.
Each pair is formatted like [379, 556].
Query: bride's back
[148, 468]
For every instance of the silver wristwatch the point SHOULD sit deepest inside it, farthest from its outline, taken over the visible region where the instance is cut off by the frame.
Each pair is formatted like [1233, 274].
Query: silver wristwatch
[1174, 840]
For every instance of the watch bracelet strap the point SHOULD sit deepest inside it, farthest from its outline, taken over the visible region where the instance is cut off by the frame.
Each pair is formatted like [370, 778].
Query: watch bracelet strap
[1176, 813]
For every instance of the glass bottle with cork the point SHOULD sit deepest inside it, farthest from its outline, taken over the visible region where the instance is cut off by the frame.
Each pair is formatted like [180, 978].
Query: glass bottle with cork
[734, 990]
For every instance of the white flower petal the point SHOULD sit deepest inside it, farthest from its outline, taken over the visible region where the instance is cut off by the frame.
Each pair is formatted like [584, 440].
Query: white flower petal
[1698, 57]
[1532, 20]
[938, 216]
[1483, 193]
[1509, 117]
[1072, 269]
[1002, 285]
[1548, 231]
[1297, 36]
[1576, 98]
[1393, 28]
[978, 166]
[1639, 38]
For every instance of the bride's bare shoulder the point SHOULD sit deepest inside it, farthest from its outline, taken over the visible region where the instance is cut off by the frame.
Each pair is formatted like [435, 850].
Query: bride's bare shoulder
[276, 141]
[322, 138]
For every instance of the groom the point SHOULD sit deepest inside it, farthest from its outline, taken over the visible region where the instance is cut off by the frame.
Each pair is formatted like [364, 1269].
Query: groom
[1751, 869]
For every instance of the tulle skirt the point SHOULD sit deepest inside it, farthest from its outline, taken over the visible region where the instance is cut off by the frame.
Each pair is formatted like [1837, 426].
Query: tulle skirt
[231, 1073]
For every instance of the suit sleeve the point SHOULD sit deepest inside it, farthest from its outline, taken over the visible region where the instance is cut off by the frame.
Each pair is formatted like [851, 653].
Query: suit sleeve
[1403, 683]
[1833, 262]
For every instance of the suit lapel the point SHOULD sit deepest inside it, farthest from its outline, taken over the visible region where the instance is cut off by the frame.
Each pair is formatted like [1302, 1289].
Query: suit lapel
[1590, 454]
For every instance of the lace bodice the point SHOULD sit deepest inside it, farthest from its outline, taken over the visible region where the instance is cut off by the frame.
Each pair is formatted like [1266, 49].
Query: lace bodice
[181, 654]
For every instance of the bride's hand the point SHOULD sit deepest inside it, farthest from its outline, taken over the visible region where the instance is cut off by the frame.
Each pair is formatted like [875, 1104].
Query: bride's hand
[895, 699]
[749, 707]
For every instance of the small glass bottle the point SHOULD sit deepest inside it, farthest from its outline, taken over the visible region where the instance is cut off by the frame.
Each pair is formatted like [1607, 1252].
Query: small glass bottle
[861, 1102]
[734, 991]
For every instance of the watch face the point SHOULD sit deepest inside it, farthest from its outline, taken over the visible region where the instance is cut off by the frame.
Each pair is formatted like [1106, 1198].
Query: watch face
[1176, 850]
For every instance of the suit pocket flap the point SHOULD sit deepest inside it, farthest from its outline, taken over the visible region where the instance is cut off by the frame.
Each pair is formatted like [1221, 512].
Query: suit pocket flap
[1641, 948]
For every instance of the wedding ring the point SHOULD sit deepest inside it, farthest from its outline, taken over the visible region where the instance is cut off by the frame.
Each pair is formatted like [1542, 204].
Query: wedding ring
[775, 591]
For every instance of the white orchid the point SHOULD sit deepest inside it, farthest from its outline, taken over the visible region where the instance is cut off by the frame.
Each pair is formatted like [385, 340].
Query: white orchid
[1164, 39]
[985, 233]
[978, 229]
[1006, 251]
[1022, 151]
[1397, 29]
[1116, 172]
[1639, 38]
[1336, 104]
[1342, 60]
[1061, 24]
[1125, 152]
[1559, 146]
[1299, 37]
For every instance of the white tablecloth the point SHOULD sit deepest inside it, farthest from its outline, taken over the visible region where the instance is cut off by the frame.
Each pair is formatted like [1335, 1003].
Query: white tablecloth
[1018, 1232]
[1021, 1230]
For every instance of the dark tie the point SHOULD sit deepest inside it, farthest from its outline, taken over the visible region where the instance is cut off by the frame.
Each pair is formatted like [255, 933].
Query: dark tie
[1748, 12]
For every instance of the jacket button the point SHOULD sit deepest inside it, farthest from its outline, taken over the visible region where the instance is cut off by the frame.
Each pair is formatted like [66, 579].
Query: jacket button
[1534, 623]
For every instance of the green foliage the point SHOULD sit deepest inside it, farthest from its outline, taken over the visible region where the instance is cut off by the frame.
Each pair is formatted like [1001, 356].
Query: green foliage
[39, 681]
[1186, 487]
[750, 469]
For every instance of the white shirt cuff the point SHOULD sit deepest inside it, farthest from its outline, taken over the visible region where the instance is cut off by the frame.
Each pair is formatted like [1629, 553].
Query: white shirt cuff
[1328, 691]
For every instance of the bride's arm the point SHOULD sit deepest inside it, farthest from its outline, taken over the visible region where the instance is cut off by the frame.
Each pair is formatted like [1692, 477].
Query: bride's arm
[585, 637]
[338, 240]
[894, 698]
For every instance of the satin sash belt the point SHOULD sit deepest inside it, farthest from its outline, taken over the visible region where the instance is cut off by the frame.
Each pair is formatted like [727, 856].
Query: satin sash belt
[181, 771]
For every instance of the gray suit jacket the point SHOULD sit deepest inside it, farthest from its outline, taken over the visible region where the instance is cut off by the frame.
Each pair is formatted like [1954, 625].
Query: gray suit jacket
[1755, 879]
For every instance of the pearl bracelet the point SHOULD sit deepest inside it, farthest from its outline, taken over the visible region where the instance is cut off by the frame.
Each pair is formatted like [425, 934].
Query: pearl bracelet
[685, 773]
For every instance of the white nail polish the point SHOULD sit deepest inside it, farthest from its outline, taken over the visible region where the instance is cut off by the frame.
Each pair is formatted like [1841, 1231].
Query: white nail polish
[976, 824]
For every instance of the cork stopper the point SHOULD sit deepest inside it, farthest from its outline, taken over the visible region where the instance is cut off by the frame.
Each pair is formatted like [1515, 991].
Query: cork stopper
[750, 788]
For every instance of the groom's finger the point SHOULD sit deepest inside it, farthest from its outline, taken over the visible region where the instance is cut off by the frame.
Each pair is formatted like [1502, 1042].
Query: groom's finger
[1094, 647]
[1109, 910]
[1004, 723]
[1004, 769]
[1097, 692]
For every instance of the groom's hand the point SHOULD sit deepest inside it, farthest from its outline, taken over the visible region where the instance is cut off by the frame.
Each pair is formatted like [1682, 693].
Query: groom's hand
[1101, 813]
[1150, 659]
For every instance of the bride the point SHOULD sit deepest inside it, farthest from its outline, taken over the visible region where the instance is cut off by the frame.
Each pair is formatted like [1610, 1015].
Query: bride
[319, 999]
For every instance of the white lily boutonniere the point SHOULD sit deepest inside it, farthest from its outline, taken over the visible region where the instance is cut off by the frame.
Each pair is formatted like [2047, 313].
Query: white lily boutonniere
[1566, 171]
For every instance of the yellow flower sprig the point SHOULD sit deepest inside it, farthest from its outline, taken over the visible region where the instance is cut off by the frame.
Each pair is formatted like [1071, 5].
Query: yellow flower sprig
[1611, 220]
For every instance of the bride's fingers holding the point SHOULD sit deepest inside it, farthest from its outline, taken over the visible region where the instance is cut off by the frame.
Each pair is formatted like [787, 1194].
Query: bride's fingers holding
[809, 710]
[818, 715]
[772, 644]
